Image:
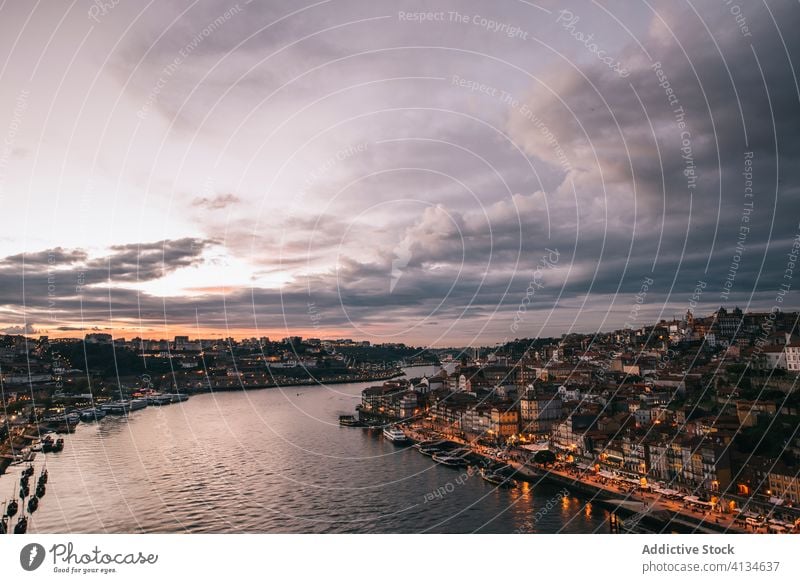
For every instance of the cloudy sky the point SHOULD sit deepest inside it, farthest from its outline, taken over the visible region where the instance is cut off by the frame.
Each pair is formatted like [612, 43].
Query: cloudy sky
[483, 171]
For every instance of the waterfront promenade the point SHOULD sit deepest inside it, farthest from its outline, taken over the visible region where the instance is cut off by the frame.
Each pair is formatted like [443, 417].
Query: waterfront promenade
[619, 498]
[615, 497]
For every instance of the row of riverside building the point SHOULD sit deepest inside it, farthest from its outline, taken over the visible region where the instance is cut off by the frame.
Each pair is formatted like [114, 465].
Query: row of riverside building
[659, 404]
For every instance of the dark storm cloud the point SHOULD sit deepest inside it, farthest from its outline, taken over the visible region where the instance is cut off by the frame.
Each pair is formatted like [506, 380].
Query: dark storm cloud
[146, 261]
[599, 174]
[26, 329]
[56, 276]
[52, 257]
[729, 110]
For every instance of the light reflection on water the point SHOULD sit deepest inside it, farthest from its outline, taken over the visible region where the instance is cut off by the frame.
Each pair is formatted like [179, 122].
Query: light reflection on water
[273, 461]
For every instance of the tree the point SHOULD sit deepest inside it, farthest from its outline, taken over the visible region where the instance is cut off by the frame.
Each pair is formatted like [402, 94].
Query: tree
[544, 456]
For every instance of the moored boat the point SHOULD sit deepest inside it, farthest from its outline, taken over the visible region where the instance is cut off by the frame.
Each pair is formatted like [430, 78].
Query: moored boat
[428, 443]
[62, 422]
[22, 525]
[116, 407]
[47, 443]
[159, 399]
[497, 479]
[395, 435]
[92, 414]
[448, 459]
[349, 421]
[431, 448]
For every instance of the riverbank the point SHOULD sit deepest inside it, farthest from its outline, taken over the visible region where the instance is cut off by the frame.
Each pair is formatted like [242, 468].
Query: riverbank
[23, 436]
[271, 462]
[649, 509]
[20, 437]
[304, 383]
[652, 509]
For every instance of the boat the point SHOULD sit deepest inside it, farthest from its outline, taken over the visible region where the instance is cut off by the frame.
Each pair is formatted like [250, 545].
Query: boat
[25, 455]
[116, 407]
[178, 397]
[22, 525]
[433, 447]
[430, 445]
[92, 414]
[349, 421]
[33, 504]
[498, 480]
[137, 404]
[65, 427]
[41, 490]
[395, 435]
[43, 476]
[58, 445]
[475, 459]
[3, 525]
[62, 422]
[448, 459]
[12, 508]
[47, 443]
[159, 399]
[60, 418]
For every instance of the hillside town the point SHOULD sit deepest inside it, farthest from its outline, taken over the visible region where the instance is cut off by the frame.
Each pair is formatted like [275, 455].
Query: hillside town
[701, 406]
[53, 384]
[68, 366]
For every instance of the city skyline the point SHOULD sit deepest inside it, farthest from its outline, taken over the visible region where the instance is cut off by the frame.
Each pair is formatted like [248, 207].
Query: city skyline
[96, 334]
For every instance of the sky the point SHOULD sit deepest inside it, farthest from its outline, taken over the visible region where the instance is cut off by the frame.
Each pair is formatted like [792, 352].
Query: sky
[440, 173]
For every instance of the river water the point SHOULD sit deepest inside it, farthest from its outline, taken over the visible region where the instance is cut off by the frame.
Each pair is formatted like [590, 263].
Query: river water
[270, 461]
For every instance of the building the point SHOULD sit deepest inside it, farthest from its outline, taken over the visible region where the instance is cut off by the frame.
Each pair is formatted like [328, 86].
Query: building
[568, 437]
[538, 413]
[407, 405]
[392, 399]
[773, 357]
[792, 357]
[477, 421]
[505, 422]
[784, 483]
[448, 416]
[748, 411]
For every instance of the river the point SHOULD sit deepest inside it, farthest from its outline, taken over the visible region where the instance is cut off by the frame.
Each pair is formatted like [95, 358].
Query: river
[274, 461]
